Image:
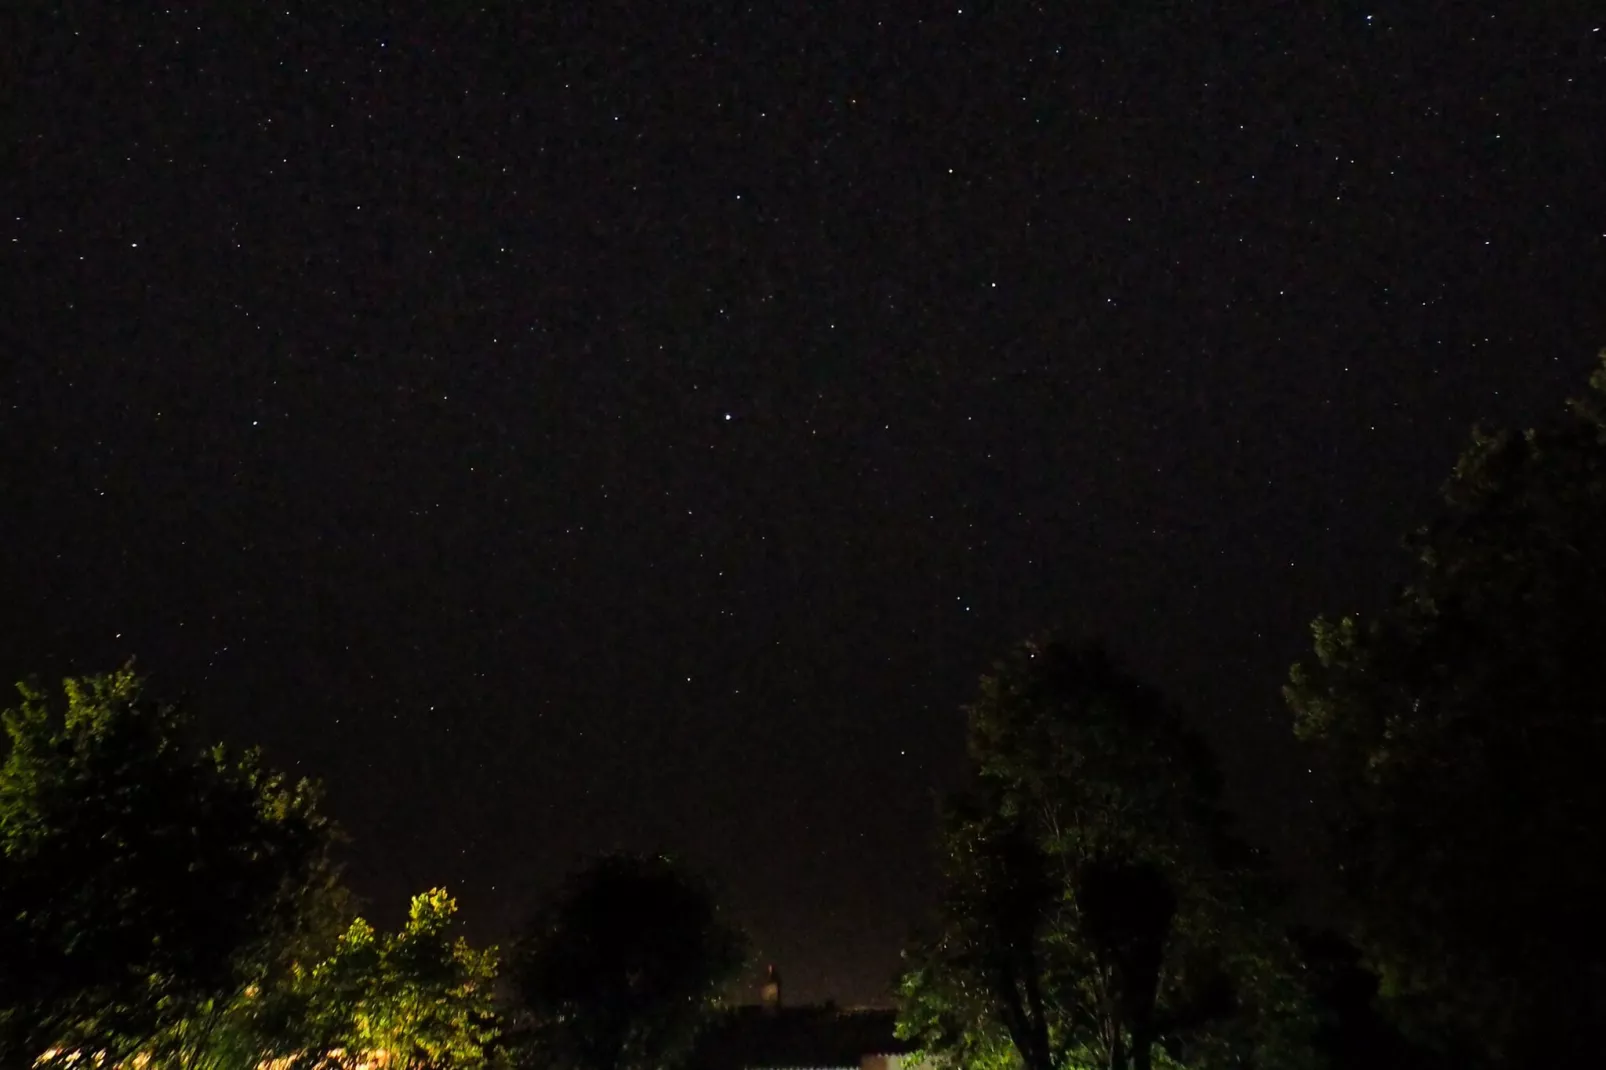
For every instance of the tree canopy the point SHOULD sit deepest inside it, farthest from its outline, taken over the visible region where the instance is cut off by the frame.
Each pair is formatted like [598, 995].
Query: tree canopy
[1095, 908]
[143, 880]
[1465, 728]
[421, 995]
[624, 966]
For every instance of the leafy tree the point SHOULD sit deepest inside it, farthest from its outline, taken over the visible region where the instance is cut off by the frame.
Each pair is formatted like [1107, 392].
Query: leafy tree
[254, 1024]
[142, 884]
[421, 996]
[984, 990]
[624, 967]
[1465, 727]
[1096, 910]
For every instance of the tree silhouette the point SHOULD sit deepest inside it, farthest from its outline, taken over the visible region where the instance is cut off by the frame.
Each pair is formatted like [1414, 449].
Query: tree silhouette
[624, 966]
[1465, 728]
[1095, 908]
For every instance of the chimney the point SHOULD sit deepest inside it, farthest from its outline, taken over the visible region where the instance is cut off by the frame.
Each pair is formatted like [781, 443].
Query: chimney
[770, 994]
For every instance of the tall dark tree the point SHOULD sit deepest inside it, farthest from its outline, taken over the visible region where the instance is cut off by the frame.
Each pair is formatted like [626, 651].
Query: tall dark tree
[1466, 729]
[1096, 909]
[623, 968]
[143, 882]
[1125, 909]
[983, 989]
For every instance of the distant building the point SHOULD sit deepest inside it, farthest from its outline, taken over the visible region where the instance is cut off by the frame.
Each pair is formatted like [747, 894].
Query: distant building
[771, 1036]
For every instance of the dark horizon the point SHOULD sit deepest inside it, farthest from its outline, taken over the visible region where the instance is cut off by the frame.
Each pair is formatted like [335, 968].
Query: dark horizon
[562, 430]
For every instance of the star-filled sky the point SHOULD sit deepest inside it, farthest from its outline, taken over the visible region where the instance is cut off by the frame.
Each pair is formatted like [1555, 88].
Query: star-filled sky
[563, 427]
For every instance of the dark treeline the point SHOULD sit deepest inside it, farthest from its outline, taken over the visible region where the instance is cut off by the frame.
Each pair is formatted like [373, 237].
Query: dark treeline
[170, 905]
[164, 905]
[1098, 911]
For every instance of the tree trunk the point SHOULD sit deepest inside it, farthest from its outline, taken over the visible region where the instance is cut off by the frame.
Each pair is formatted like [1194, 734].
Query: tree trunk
[1038, 1018]
[1117, 1048]
[1030, 1041]
[1142, 1047]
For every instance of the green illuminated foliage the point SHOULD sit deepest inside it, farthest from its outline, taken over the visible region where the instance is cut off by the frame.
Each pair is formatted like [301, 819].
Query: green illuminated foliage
[143, 882]
[421, 996]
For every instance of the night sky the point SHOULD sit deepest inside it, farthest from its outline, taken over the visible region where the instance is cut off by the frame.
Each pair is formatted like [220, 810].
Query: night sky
[568, 427]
